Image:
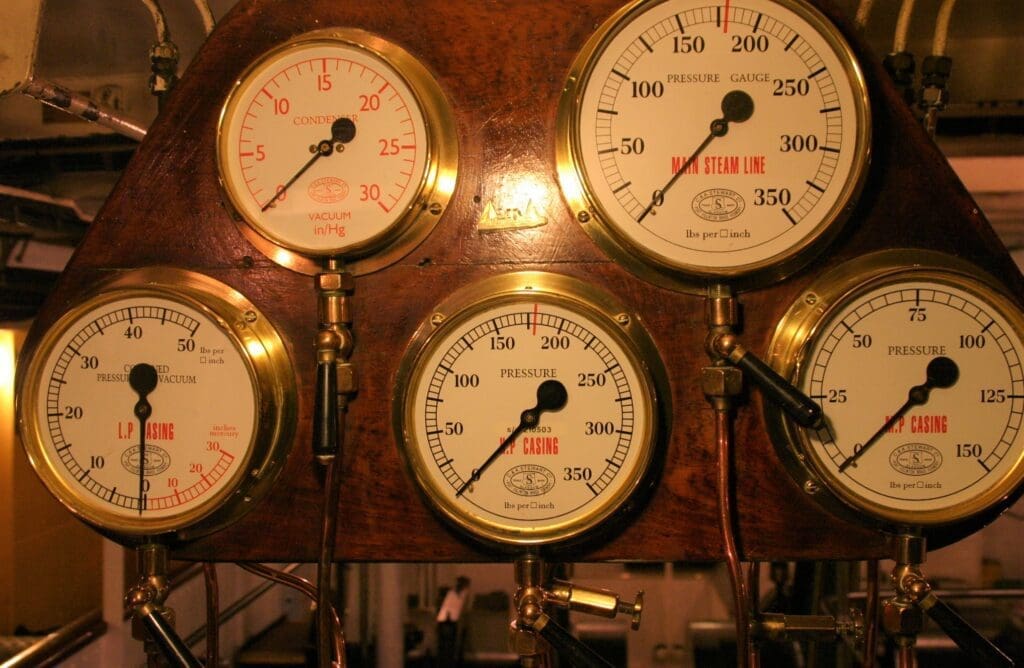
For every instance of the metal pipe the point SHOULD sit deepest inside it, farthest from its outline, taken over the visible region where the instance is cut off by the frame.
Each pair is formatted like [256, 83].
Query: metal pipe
[954, 593]
[723, 441]
[61, 642]
[870, 614]
[82, 107]
[203, 7]
[212, 612]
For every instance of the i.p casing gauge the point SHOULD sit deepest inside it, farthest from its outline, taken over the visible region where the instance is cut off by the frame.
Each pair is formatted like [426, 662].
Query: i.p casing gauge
[915, 359]
[529, 410]
[337, 143]
[713, 140]
[163, 402]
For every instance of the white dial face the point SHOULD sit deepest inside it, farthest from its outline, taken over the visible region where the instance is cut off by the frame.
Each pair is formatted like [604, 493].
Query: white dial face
[923, 393]
[719, 138]
[146, 412]
[529, 421]
[323, 147]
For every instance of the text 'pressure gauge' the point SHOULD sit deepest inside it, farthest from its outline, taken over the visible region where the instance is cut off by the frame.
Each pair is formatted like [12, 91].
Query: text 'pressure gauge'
[157, 402]
[915, 359]
[337, 143]
[528, 409]
[704, 139]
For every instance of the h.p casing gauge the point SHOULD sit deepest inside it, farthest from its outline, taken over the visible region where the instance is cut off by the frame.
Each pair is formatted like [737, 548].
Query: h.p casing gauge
[721, 140]
[915, 359]
[528, 409]
[337, 143]
[163, 402]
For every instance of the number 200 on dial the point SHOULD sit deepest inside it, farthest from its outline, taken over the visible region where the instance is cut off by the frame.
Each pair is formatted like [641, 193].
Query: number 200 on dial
[529, 415]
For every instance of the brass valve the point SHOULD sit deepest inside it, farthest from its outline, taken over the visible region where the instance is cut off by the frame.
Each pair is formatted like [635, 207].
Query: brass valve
[593, 601]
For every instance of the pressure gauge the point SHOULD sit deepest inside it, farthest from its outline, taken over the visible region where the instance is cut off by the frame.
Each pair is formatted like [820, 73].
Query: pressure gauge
[337, 143]
[723, 140]
[164, 402]
[915, 359]
[528, 410]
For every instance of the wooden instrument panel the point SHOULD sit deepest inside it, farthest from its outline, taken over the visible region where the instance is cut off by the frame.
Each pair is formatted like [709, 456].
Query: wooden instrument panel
[502, 65]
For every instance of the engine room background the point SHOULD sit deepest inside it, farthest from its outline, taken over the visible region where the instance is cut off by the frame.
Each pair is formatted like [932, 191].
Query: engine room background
[56, 172]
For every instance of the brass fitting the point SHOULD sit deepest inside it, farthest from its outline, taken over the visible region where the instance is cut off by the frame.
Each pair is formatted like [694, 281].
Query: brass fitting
[593, 601]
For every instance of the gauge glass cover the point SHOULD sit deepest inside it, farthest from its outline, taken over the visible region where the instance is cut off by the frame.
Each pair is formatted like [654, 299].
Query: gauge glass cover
[924, 367]
[673, 199]
[477, 374]
[309, 190]
[145, 460]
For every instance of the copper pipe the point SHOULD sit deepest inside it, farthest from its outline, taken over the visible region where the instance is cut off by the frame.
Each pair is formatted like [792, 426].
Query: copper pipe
[906, 657]
[723, 440]
[754, 587]
[306, 588]
[212, 612]
[325, 630]
[871, 615]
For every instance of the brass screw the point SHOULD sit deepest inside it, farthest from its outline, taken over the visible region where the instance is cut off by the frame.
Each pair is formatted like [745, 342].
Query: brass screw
[435, 208]
[583, 217]
[811, 487]
[437, 319]
[811, 299]
[250, 316]
[622, 319]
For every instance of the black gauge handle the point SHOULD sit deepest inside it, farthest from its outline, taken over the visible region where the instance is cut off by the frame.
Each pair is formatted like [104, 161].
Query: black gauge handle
[568, 646]
[325, 414]
[804, 411]
[981, 650]
[173, 648]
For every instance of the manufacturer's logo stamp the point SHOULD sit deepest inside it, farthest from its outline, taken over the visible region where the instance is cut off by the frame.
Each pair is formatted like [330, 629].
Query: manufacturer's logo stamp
[529, 480]
[718, 204]
[328, 190]
[158, 460]
[915, 459]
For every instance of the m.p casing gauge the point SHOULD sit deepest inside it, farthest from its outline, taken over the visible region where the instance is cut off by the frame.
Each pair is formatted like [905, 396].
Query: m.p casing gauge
[164, 402]
[722, 141]
[915, 359]
[529, 410]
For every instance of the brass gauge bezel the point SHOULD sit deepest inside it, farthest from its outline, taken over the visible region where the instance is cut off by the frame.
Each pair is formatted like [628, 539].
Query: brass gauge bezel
[433, 192]
[595, 307]
[794, 339]
[255, 341]
[599, 221]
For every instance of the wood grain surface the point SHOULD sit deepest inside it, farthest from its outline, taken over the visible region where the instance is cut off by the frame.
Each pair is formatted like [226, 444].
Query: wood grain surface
[502, 64]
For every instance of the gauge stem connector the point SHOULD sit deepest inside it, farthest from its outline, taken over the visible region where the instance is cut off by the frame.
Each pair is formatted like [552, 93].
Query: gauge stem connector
[533, 629]
[336, 377]
[901, 68]
[163, 57]
[933, 96]
[152, 621]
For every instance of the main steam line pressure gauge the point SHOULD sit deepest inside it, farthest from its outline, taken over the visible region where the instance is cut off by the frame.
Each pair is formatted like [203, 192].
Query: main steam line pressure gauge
[528, 409]
[164, 402]
[916, 360]
[713, 140]
[337, 143]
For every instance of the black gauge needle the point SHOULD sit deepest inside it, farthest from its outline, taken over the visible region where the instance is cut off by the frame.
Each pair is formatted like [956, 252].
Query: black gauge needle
[342, 132]
[551, 396]
[737, 106]
[142, 378]
[942, 372]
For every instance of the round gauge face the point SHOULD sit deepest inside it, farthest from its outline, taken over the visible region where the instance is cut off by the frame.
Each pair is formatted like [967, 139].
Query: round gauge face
[528, 416]
[332, 143]
[142, 410]
[919, 376]
[715, 140]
